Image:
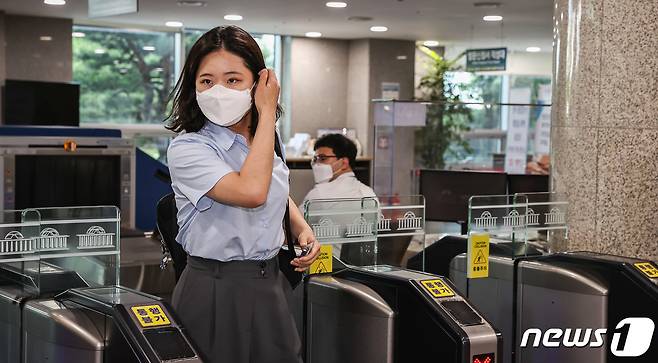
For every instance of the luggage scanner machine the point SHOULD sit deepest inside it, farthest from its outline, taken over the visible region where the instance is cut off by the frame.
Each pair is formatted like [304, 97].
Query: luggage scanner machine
[387, 314]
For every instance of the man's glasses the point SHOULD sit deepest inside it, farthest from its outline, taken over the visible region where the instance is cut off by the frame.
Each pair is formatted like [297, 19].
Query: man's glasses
[321, 158]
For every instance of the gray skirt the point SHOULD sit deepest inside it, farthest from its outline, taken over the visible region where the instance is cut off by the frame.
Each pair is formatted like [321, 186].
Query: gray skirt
[238, 311]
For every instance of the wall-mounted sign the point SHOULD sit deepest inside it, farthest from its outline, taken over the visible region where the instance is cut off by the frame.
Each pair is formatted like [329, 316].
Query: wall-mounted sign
[390, 91]
[101, 8]
[494, 59]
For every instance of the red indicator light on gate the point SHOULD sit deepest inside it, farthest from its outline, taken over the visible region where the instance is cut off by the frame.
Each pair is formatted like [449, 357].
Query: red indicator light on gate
[484, 358]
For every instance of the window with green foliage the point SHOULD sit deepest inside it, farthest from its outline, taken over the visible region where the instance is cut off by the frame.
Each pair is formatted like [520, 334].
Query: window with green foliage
[125, 76]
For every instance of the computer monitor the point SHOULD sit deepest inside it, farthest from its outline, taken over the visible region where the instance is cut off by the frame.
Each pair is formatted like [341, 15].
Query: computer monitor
[527, 183]
[447, 192]
[41, 103]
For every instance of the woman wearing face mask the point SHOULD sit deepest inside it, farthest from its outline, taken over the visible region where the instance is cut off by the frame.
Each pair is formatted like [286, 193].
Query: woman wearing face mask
[231, 193]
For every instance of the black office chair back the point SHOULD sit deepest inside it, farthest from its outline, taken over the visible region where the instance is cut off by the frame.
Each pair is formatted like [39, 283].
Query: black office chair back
[167, 225]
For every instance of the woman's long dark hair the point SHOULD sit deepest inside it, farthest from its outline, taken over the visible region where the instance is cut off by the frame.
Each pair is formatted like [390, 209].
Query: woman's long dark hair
[185, 112]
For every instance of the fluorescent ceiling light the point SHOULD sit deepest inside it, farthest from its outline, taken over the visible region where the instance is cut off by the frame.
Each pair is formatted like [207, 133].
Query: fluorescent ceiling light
[99, 51]
[46, 38]
[148, 48]
[174, 24]
[336, 4]
[233, 17]
[378, 28]
[430, 43]
[313, 34]
[54, 2]
[533, 49]
[492, 18]
[78, 34]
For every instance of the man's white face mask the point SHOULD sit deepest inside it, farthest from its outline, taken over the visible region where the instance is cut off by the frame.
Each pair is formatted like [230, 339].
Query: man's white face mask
[322, 173]
[224, 106]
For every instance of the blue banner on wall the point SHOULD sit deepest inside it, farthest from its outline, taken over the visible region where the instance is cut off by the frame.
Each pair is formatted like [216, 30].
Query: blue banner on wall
[493, 59]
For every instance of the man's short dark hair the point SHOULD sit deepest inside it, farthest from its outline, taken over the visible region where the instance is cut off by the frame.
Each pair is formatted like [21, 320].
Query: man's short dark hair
[341, 145]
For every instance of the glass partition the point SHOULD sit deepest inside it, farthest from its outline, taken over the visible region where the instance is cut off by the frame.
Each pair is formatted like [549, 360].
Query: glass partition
[411, 135]
[48, 250]
[83, 240]
[19, 253]
[502, 217]
[400, 229]
[348, 225]
[547, 219]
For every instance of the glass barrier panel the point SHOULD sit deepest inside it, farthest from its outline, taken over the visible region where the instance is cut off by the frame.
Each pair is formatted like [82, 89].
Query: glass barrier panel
[400, 229]
[547, 220]
[502, 217]
[19, 254]
[81, 243]
[512, 137]
[348, 225]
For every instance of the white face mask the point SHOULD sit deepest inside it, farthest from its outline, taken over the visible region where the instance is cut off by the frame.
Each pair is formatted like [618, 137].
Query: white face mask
[224, 106]
[322, 173]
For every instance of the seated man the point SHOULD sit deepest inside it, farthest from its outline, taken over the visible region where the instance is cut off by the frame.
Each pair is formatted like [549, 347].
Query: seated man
[335, 156]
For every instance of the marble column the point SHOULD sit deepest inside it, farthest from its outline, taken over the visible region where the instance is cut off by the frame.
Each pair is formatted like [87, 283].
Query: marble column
[605, 123]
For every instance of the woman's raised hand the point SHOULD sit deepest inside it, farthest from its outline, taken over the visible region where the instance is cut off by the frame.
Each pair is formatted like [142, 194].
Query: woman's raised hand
[267, 92]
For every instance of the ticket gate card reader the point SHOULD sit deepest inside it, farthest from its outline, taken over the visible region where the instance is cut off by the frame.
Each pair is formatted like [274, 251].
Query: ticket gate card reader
[411, 316]
[104, 324]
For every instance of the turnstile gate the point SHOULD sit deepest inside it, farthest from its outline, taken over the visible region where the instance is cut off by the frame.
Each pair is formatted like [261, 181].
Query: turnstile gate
[386, 314]
[592, 292]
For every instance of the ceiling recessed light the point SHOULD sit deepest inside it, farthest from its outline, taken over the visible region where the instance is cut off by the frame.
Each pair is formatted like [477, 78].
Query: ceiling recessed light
[78, 34]
[174, 24]
[46, 38]
[431, 43]
[492, 18]
[99, 51]
[313, 34]
[336, 4]
[191, 4]
[533, 49]
[54, 2]
[148, 48]
[378, 28]
[233, 17]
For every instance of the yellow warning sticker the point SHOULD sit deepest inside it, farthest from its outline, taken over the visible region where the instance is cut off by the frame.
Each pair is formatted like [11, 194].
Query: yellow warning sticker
[478, 256]
[437, 288]
[150, 315]
[323, 264]
[648, 269]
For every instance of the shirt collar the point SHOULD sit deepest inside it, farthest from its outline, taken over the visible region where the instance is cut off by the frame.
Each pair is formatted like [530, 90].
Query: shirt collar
[345, 175]
[223, 135]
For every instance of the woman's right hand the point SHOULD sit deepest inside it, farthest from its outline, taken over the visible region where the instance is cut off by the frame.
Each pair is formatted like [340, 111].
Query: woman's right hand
[267, 92]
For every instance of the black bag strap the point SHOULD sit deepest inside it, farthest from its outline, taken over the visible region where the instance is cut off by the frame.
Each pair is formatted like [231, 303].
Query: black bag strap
[287, 230]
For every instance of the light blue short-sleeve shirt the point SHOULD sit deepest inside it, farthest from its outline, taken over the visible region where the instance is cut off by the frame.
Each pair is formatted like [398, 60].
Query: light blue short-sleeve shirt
[197, 161]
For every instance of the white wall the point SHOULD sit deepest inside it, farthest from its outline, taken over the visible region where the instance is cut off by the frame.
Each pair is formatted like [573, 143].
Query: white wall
[319, 69]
